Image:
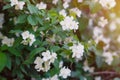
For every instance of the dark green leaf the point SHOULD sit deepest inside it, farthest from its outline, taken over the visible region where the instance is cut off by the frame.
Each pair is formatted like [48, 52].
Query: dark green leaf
[3, 61]
[22, 18]
[32, 8]
[32, 20]
[14, 51]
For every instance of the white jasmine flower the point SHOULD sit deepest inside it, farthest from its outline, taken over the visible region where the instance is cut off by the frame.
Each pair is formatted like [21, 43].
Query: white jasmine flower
[69, 24]
[55, 77]
[78, 50]
[25, 35]
[98, 78]
[46, 55]
[13, 2]
[8, 41]
[63, 12]
[39, 64]
[28, 38]
[65, 5]
[19, 5]
[112, 26]
[53, 57]
[80, 1]
[65, 72]
[108, 57]
[68, 1]
[76, 11]
[41, 5]
[55, 1]
[1, 20]
[102, 22]
[107, 3]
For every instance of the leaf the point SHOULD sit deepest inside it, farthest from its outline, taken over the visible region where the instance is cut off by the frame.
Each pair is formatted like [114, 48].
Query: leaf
[32, 54]
[54, 48]
[4, 47]
[7, 7]
[8, 65]
[99, 61]
[14, 51]
[32, 20]
[22, 18]
[3, 61]
[32, 9]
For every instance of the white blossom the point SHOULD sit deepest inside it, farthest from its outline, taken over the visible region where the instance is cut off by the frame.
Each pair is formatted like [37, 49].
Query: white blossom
[80, 1]
[107, 3]
[8, 41]
[19, 5]
[112, 26]
[108, 57]
[63, 12]
[13, 2]
[28, 38]
[98, 78]
[39, 64]
[65, 5]
[46, 55]
[78, 50]
[69, 24]
[102, 22]
[68, 1]
[41, 5]
[65, 72]
[55, 77]
[76, 11]
[55, 1]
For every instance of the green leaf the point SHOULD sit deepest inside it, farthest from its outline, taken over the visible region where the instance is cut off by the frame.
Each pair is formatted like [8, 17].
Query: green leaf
[54, 48]
[32, 54]
[36, 51]
[32, 20]
[22, 18]
[7, 7]
[32, 9]
[99, 61]
[9, 65]
[3, 61]
[14, 51]
[4, 47]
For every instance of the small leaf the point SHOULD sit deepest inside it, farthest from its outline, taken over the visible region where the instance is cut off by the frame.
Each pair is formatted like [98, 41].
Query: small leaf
[14, 51]
[7, 7]
[3, 61]
[32, 9]
[32, 20]
[99, 61]
[22, 18]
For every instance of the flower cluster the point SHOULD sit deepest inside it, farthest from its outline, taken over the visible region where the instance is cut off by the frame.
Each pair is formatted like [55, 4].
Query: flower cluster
[18, 4]
[78, 50]
[28, 38]
[44, 62]
[69, 24]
